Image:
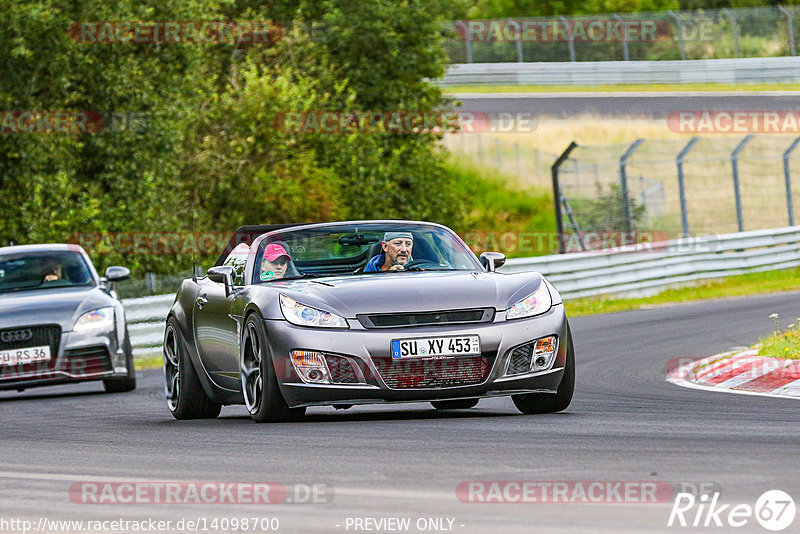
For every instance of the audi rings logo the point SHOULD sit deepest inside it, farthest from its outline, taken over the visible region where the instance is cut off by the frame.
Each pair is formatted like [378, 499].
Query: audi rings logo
[15, 336]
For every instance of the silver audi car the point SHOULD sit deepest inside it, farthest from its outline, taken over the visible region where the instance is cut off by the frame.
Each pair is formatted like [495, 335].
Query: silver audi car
[363, 312]
[59, 321]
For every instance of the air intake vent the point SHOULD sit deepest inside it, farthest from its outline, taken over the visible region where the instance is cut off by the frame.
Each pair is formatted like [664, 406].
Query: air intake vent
[434, 373]
[520, 359]
[341, 369]
[86, 361]
[397, 320]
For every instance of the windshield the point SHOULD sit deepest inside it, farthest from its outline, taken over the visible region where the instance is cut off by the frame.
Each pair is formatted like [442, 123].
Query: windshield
[361, 250]
[43, 270]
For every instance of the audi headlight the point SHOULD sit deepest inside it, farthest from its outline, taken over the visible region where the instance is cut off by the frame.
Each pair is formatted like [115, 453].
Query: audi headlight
[534, 304]
[95, 319]
[303, 315]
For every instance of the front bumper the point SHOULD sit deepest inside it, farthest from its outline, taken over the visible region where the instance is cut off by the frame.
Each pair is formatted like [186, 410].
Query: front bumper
[497, 340]
[79, 356]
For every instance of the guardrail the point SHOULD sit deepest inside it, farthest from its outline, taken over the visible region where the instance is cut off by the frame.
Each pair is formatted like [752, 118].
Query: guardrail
[742, 70]
[648, 268]
[146, 318]
[641, 269]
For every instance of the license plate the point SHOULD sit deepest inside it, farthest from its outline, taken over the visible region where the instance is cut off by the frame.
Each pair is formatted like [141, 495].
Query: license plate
[26, 355]
[436, 346]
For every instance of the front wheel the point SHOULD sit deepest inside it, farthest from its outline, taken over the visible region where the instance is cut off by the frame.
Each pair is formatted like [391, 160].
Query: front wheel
[186, 398]
[531, 403]
[262, 396]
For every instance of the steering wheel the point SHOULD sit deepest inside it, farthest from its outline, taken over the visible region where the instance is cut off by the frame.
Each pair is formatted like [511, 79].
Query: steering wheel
[419, 263]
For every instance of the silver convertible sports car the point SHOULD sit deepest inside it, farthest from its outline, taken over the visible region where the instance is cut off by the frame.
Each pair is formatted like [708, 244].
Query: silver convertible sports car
[59, 321]
[363, 312]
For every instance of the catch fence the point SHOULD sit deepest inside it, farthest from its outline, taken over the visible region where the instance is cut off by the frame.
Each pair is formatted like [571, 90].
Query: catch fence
[664, 35]
[677, 188]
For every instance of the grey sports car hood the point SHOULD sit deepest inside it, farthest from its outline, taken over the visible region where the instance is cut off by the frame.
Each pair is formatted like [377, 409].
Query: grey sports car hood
[60, 306]
[411, 291]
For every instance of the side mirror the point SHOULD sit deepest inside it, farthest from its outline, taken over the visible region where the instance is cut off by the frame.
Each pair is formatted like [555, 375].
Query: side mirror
[222, 274]
[116, 273]
[492, 260]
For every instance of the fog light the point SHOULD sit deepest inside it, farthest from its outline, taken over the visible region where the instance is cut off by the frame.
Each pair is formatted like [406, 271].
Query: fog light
[310, 366]
[544, 353]
[314, 374]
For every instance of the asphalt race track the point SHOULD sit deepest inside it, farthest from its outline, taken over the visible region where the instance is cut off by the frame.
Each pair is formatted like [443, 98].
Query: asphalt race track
[625, 424]
[626, 104]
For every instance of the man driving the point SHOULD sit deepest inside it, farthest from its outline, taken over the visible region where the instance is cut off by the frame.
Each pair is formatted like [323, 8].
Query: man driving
[396, 253]
[275, 262]
[52, 270]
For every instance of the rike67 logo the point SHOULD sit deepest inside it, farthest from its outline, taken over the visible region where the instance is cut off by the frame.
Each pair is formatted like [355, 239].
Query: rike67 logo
[774, 510]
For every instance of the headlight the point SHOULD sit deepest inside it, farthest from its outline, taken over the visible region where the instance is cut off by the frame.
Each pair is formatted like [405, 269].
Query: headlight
[100, 318]
[303, 315]
[537, 302]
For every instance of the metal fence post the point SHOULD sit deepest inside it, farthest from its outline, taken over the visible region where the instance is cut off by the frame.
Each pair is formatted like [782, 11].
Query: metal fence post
[679, 22]
[625, 55]
[736, 190]
[787, 176]
[150, 282]
[623, 180]
[518, 40]
[735, 29]
[467, 40]
[570, 42]
[681, 185]
[790, 28]
[557, 194]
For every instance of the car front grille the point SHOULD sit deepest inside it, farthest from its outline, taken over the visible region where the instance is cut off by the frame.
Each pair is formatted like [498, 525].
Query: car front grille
[434, 373]
[520, 359]
[30, 336]
[341, 369]
[86, 361]
[396, 320]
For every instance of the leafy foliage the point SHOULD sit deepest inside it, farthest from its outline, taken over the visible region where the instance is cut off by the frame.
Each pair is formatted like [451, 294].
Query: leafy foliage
[210, 152]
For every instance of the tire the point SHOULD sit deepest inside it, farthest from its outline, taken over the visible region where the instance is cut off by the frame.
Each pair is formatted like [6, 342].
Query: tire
[532, 403]
[263, 397]
[458, 404]
[128, 383]
[186, 398]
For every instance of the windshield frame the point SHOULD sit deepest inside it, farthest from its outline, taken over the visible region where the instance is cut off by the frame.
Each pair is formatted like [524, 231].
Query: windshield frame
[368, 226]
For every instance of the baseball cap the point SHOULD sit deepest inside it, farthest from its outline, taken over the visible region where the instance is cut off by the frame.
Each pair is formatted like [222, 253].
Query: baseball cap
[274, 251]
[388, 236]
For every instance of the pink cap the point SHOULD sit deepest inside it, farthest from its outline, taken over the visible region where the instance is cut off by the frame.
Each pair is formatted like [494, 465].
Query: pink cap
[273, 252]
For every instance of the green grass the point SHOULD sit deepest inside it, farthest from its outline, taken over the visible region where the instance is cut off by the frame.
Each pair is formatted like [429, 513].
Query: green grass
[622, 88]
[504, 215]
[148, 361]
[733, 286]
[782, 343]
